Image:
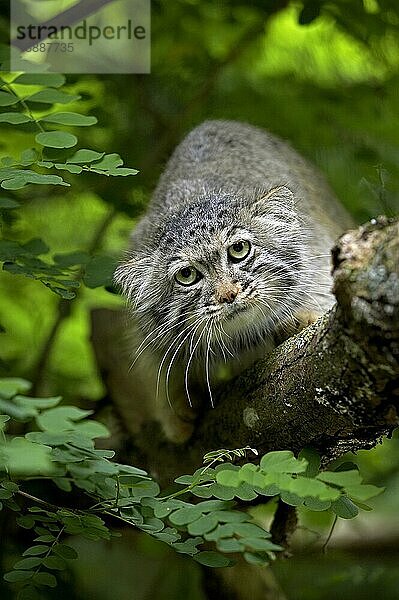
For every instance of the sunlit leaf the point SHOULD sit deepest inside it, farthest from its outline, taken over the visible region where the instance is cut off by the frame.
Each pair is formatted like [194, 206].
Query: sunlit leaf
[15, 118]
[282, 461]
[51, 96]
[49, 79]
[69, 118]
[85, 156]
[8, 99]
[56, 139]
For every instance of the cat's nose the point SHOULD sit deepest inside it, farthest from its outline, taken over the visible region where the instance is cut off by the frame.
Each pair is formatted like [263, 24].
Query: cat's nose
[227, 292]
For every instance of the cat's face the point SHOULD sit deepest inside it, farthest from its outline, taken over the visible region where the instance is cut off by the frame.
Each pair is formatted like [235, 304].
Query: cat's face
[218, 276]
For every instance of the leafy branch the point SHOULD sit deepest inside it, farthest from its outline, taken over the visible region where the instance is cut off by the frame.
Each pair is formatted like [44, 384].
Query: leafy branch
[208, 525]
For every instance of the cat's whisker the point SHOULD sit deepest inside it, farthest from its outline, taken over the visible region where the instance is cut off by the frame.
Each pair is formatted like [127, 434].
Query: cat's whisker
[223, 347]
[208, 348]
[192, 352]
[170, 347]
[172, 361]
[164, 329]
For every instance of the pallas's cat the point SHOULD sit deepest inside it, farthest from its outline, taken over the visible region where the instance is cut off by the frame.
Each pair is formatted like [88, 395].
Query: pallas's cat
[231, 256]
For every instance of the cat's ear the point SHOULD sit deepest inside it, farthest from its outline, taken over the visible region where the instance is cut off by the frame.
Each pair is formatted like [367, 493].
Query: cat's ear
[277, 202]
[277, 197]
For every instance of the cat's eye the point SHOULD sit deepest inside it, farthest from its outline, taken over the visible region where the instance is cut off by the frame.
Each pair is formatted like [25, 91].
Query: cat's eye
[239, 250]
[187, 276]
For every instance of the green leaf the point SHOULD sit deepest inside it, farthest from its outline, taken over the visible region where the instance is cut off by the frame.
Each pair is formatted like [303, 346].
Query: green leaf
[51, 96]
[15, 118]
[250, 530]
[221, 531]
[188, 546]
[306, 486]
[26, 521]
[229, 545]
[212, 559]
[56, 139]
[109, 162]
[122, 171]
[46, 579]
[261, 544]
[28, 563]
[36, 550]
[7, 99]
[363, 492]
[152, 525]
[10, 386]
[85, 156]
[344, 508]
[40, 403]
[65, 551]
[341, 478]
[168, 535]
[18, 413]
[145, 489]
[15, 179]
[228, 478]
[48, 437]
[44, 538]
[184, 480]
[362, 505]
[218, 491]
[14, 576]
[202, 525]
[10, 486]
[70, 118]
[64, 485]
[290, 498]
[70, 259]
[316, 504]
[282, 461]
[99, 271]
[48, 79]
[75, 169]
[54, 562]
[23, 457]
[230, 516]
[183, 516]
[5, 494]
[257, 559]
[35, 246]
[28, 157]
[61, 418]
[93, 429]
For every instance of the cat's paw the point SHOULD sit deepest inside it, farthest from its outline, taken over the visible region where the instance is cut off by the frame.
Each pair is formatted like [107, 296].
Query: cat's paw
[177, 428]
[306, 317]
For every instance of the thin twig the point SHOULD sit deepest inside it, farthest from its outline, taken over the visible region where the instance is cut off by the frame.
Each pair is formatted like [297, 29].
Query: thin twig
[64, 307]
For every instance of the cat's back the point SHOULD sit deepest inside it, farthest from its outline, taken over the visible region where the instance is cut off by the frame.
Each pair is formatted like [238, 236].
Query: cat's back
[233, 157]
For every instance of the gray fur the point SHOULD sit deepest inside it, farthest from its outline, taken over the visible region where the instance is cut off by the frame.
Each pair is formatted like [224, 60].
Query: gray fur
[226, 182]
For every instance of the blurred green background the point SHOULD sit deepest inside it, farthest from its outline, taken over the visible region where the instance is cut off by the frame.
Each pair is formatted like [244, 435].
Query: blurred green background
[323, 75]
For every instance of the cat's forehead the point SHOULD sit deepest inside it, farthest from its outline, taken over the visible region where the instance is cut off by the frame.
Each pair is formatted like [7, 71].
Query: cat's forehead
[202, 224]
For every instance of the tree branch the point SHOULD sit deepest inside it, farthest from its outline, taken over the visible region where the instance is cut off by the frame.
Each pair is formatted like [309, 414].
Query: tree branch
[333, 386]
